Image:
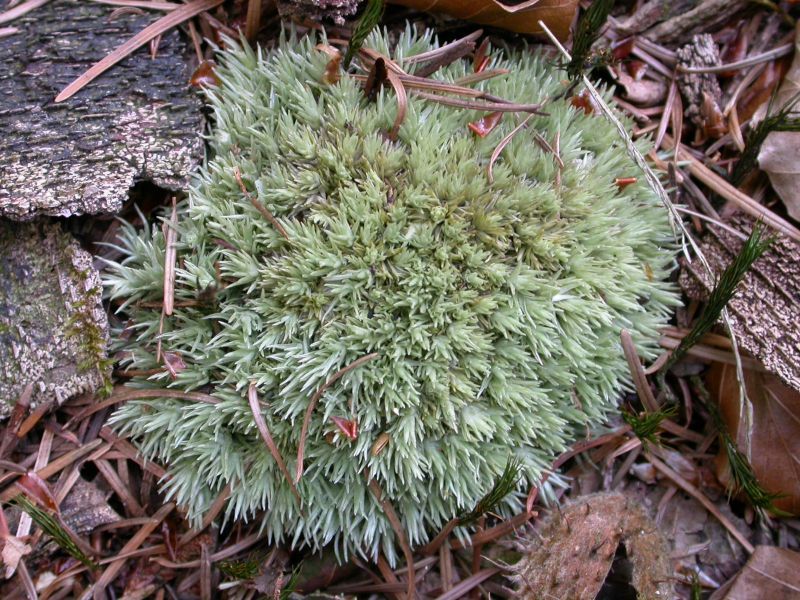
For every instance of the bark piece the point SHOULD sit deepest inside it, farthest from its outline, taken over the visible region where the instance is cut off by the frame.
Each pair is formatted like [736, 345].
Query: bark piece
[53, 329]
[317, 10]
[701, 91]
[707, 15]
[86, 507]
[577, 545]
[138, 121]
[764, 310]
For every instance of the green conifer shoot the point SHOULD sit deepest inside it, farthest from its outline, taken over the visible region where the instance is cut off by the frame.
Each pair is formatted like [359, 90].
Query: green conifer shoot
[494, 308]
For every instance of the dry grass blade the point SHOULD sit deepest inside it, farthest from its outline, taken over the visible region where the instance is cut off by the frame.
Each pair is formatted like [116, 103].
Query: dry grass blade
[170, 256]
[503, 143]
[313, 403]
[439, 54]
[261, 424]
[126, 394]
[783, 50]
[258, 206]
[150, 4]
[54, 467]
[700, 497]
[98, 589]
[736, 196]
[21, 9]
[402, 102]
[460, 590]
[485, 106]
[165, 23]
[397, 526]
[253, 22]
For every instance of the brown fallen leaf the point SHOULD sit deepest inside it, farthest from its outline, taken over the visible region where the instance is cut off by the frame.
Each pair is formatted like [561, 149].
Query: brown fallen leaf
[775, 436]
[522, 17]
[771, 572]
[573, 554]
[14, 549]
[779, 157]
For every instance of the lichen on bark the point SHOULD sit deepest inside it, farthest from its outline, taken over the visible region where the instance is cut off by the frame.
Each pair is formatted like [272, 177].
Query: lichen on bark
[53, 329]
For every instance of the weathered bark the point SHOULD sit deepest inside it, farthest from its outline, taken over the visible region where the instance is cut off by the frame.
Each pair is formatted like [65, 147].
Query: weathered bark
[764, 311]
[53, 329]
[138, 121]
[335, 10]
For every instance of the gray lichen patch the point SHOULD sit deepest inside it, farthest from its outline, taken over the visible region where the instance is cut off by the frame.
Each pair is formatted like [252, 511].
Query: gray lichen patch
[138, 121]
[53, 329]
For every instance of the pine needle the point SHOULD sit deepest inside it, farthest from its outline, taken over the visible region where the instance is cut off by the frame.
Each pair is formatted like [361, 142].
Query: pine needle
[504, 485]
[586, 33]
[51, 527]
[647, 424]
[369, 18]
[726, 286]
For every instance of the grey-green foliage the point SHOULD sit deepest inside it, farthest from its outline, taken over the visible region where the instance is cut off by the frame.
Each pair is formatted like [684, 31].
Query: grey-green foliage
[495, 308]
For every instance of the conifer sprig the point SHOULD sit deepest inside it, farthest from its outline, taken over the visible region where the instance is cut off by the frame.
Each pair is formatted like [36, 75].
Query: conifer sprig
[586, 33]
[785, 119]
[47, 523]
[505, 484]
[646, 425]
[723, 291]
[366, 23]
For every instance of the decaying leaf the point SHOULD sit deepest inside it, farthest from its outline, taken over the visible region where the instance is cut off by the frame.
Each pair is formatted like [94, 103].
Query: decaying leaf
[14, 549]
[779, 157]
[764, 310]
[577, 545]
[771, 572]
[775, 452]
[522, 17]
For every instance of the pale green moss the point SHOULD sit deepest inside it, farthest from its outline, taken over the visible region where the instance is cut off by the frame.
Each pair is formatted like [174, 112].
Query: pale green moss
[495, 308]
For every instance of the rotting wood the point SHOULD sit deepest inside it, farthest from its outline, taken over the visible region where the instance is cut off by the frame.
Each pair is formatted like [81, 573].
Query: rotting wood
[138, 121]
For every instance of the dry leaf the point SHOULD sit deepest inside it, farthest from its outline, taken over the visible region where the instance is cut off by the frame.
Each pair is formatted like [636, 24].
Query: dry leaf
[779, 157]
[13, 551]
[771, 572]
[522, 17]
[576, 546]
[775, 437]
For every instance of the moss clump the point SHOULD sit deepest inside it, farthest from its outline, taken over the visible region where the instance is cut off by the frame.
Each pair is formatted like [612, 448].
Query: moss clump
[495, 308]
